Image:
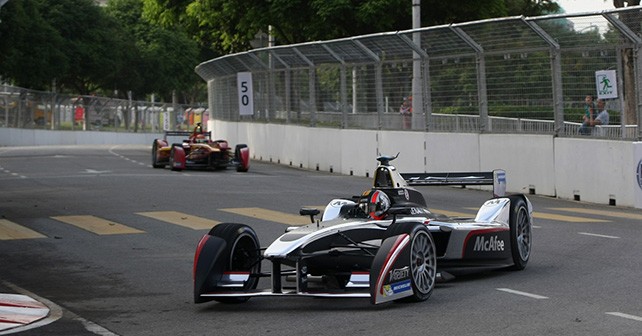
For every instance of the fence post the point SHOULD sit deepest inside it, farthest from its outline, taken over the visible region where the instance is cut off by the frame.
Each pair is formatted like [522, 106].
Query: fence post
[420, 116]
[343, 85]
[311, 85]
[287, 84]
[378, 79]
[637, 71]
[288, 95]
[482, 94]
[556, 75]
[172, 115]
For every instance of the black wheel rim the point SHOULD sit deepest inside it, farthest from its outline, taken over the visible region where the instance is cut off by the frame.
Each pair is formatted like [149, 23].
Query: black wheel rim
[245, 257]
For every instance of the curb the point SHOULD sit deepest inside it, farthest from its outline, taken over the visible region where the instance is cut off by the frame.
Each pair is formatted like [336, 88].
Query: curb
[20, 310]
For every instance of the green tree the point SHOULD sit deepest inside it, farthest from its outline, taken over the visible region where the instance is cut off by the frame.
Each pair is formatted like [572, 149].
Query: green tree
[632, 21]
[29, 46]
[532, 8]
[227, 26]
[91, 44]
[70, 41]
[161, 60]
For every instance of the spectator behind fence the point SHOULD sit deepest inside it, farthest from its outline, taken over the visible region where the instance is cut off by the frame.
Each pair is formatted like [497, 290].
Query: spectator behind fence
[602, 115]
[406, 112]
[589, 114]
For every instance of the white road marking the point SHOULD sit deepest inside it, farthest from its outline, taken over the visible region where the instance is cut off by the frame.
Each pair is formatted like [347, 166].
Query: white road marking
[598, 235]
[626, 316]
[512, 291]
[93, 327]
[111, 150]
[93, 171]
[9, 172]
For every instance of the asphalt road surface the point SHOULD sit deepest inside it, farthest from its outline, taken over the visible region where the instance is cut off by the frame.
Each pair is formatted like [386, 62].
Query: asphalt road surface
[108, 243]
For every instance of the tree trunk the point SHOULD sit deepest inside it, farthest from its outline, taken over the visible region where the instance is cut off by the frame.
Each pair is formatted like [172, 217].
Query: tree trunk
[628, 62]
[630, 94]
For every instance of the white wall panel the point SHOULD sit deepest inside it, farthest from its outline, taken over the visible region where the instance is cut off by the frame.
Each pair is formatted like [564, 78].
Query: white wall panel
[529, 160]
[598, 171]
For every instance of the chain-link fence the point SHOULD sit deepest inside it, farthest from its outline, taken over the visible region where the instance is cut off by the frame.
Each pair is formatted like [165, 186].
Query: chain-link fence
[23, 108]
[504, 75]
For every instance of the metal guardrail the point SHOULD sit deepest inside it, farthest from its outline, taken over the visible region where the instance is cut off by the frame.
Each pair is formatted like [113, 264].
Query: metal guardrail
[24, 108]
[516, 74]
[107, 114]
[508, 75]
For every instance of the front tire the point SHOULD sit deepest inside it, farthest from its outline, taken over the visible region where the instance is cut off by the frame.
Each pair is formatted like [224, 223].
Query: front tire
[243, 254]
[243, 164]
[520, 232]
[155, 163]
[172, 153]
[423, 259]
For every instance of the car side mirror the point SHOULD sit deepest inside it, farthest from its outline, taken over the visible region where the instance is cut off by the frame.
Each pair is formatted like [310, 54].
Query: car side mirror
[399, 211]
[309, 212]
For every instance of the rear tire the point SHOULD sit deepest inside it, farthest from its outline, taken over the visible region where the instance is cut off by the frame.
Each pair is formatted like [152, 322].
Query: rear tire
[243, 254]
[423, 259]
[520, 232]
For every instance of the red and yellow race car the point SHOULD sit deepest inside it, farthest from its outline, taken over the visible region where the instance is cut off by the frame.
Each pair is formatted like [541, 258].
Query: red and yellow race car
[198, 151]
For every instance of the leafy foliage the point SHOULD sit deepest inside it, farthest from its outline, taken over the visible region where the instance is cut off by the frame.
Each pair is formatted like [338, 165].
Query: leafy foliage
[227, 26]
[152, 46]
[161, 59]
[88, 49]
[29, 47]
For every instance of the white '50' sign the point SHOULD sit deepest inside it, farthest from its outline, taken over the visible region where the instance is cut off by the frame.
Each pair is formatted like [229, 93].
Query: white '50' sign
[246, 96]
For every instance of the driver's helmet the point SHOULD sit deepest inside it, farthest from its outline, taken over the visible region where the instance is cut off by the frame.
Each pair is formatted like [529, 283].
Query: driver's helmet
[378, 204]
[200, 138]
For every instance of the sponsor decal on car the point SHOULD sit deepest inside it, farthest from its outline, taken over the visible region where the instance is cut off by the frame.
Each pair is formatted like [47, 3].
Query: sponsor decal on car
[404, 193]
[492, 202]
[639, 174]
[487, 243]
[418, 211]
[339, 203]
[492, 244]
[396, 288]
[399, 273]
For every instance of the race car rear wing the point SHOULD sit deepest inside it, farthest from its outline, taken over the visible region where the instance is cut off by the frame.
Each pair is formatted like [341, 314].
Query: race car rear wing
[496, 178]
[186, 133]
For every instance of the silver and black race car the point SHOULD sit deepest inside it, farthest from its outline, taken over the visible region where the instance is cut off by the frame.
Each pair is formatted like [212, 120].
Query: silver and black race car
[385, 244]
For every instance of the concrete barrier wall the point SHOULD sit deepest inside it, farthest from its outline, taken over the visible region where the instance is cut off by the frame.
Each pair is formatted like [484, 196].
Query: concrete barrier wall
[592, 170]
[30, 137]
[529, 160]
[597, 171]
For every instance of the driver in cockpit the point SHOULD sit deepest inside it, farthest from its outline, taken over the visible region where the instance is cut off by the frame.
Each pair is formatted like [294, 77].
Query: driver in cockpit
[198, 136]
[378, 204]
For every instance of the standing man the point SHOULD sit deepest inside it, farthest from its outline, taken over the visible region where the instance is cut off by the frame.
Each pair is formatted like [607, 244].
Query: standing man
[602, 114]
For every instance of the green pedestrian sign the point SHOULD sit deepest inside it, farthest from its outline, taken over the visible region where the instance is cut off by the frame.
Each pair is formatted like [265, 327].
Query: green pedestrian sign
[606, 84]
